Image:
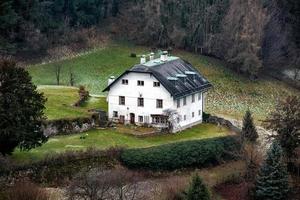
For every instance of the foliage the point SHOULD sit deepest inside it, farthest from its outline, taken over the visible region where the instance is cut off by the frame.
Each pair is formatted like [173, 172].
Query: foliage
[24, 190]
[249, 132]
[21, 110]
[285, 121]
[272, 181]
[197, 153]
[83, 96]
[29, 23]
[197, 189]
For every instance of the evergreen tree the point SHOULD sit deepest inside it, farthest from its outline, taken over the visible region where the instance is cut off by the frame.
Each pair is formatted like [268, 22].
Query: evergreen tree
[197, 190]
[272, 181]
[249, 132]
[21, 110]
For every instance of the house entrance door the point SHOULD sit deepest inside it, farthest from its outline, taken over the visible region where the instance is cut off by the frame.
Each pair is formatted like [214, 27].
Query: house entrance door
[132, 118]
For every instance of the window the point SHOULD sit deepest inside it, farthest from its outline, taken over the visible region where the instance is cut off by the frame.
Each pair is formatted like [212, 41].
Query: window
[184, 101]
[115, 114]
[121, 100]
[140, 102]
[140, 83]
[159, 120]
[159, 103]
[199, 112]
[193, 114]
[156, 84]
[178, 119]
[141, 119]
[178, 103]
[184, 117]
[124, 81]
[199, 96]
[193, 98]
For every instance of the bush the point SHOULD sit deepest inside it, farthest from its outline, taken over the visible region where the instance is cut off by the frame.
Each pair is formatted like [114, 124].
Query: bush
[197, 153]
[205, 116]
[26, 191]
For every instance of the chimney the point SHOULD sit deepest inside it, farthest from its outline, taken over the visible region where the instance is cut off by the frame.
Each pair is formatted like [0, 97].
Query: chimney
[143, 59]
[111, 79]
[151, 56]
[164, 56]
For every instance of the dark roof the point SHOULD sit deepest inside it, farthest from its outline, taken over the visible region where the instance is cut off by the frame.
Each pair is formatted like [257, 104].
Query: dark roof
[177, 68]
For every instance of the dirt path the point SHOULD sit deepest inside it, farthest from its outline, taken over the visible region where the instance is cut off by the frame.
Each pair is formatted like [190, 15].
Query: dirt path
[263, 140]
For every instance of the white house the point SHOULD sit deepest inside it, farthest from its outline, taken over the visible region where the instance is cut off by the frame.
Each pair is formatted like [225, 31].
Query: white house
[142, 94]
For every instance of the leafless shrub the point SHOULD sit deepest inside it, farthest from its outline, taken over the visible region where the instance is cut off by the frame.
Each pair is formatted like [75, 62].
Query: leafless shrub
[99, 184]
[173, 188]
[25, 190]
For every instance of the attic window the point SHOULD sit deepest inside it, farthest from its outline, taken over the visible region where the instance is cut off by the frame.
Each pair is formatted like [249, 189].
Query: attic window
[140, 83]
[156, 84]
[124, 81]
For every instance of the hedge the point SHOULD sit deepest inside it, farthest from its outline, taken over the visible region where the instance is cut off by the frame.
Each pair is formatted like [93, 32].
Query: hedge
[196, 153]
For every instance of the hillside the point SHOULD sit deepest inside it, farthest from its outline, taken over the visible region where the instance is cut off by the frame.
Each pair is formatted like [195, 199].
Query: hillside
[255, 36]
[232, 94]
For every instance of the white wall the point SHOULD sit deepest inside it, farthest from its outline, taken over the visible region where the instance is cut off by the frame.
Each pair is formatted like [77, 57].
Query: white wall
[132, 91]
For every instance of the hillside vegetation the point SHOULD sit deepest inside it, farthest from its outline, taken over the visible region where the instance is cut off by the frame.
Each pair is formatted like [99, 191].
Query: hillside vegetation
[252, 34]
[104, 139]
[232, 94]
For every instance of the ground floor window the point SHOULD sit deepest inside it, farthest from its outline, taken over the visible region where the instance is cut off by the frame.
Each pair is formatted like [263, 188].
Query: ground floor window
[199, 112]
[193, 114]
[115, 113]
[159, 119]
[141, 119]
[184, 117]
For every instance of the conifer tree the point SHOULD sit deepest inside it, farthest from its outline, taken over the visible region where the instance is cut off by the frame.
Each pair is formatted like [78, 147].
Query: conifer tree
[21, 110]
[197, 190]
[272, 181]
[249, 132]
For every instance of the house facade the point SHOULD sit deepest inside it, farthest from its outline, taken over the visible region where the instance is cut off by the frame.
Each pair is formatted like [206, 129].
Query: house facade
[145, 93]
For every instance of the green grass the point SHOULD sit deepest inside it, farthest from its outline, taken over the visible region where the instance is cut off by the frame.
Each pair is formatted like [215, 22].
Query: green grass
[232, 94]
[60, 102]
[104, 139]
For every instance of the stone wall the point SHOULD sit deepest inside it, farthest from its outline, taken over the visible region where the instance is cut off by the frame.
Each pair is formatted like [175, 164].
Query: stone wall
[222, 122]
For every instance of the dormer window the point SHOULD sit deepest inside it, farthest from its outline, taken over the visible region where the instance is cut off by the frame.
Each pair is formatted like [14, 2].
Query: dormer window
[125, 81]
[140, 83]
[156, 84]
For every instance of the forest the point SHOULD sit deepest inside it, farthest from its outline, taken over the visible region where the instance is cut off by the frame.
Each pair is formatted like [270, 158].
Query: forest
[252, 35]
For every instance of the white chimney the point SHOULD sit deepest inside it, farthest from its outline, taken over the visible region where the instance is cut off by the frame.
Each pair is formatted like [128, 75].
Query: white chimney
[151, 56]
[164, 56]
[111, 79]
[143, 59]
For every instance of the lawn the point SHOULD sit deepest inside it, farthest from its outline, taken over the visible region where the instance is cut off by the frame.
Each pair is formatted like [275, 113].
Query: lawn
[232, 94]
[106, 138]
[60, 102]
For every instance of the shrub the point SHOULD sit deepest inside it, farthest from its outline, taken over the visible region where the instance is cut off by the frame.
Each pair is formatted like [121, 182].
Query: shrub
[205, 116]
[133, 55]
[26, 191]
[172, 156]
[197, 190]
[83, 96]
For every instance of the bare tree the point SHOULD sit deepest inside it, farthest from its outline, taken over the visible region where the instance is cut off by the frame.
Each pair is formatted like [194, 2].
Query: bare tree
[99, 184]
[173, 119]
[57, 69]
[72, 79]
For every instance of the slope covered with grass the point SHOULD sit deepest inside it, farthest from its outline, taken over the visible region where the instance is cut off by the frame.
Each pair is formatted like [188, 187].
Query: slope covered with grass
[60, 102]
[232, 94]
[107, 138]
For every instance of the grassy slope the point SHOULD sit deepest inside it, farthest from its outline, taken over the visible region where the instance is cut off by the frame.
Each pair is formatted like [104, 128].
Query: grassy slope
[109, 138]
[231, 96]
[60, 102]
